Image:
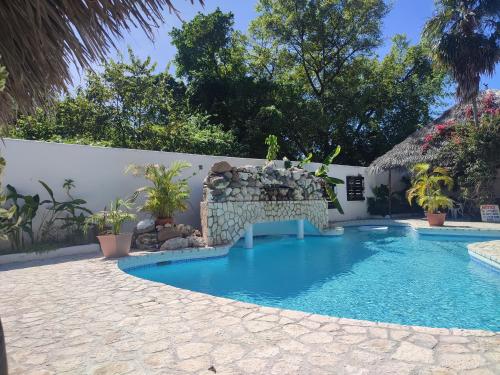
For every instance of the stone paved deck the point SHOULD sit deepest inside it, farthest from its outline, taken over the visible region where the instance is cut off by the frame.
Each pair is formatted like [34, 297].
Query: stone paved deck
[419, 223]
[85, 316]
[488, 252]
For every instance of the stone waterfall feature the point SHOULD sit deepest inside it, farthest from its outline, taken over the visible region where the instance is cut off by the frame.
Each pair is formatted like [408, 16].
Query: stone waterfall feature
[235, 198]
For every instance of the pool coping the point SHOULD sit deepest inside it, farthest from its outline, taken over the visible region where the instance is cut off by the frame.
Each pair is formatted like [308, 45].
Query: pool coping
[486, 252]
[144, 258]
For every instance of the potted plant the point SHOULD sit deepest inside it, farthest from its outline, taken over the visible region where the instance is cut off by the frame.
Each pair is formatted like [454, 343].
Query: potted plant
[426, 190]
[168, 194]
[109, 221]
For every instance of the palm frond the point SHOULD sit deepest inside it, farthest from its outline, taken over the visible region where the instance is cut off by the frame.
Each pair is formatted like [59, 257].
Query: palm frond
[43, 39]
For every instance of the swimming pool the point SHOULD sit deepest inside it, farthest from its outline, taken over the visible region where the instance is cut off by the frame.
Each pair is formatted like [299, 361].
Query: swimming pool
[396, 276]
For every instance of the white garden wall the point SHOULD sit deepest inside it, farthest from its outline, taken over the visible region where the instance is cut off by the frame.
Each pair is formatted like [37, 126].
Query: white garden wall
[99, 173]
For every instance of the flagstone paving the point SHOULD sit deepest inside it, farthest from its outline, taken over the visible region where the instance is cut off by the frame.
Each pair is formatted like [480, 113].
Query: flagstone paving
[85, 316]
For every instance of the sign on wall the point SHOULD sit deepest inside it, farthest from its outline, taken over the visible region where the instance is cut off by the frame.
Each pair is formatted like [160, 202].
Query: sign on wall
[490, 213]
[355, 188]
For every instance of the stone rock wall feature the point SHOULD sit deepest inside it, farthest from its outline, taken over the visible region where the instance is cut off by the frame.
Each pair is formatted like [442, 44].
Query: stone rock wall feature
[255, 184]
[226, 222]
[235, 198]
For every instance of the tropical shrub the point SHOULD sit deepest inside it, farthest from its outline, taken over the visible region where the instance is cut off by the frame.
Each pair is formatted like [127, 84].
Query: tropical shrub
[470, 152]
[272, 147]
[379, 203]
[427, 188]
[16, 219]
[109, 221]
[474, 159]
[168, 194]
[70, 213]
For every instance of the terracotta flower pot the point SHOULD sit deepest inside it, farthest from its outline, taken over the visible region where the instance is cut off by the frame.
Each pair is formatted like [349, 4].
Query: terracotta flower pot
[436, 220]
[114, 246]
[164, 220]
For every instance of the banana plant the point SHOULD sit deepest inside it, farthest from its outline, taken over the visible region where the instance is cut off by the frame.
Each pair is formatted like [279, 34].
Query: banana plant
[71, 212]
[328, 181]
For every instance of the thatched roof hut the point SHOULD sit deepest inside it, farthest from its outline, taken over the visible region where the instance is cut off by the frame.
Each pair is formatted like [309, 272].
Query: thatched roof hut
[412, 150]
[42, 39]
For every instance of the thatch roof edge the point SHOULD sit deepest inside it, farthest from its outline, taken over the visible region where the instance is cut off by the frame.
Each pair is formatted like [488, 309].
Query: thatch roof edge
[410, 151]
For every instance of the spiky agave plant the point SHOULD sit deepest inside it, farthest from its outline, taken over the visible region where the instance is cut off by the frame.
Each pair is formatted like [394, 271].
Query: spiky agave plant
[168, 194]
[427, 185]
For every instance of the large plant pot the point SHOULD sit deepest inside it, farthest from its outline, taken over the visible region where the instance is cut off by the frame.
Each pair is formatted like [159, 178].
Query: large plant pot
[436, 220]
[164, 220]
[114, 246]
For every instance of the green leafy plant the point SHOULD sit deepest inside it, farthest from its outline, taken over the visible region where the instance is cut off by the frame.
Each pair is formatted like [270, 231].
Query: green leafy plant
[70, 212]
[109, 221]
[379, 203]
[305, 160]
[272, 147]
[329, 182]
[168, 194]
[473, 158]
[17, 218]
[427, 188]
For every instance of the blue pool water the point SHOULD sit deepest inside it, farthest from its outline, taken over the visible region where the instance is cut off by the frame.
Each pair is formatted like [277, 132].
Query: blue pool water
[395, 276]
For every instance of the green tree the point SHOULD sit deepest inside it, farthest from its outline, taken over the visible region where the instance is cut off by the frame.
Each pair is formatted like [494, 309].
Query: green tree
[208, 46]
[328, 83]
[465, 37]
[128, 105]
[395, 96]
[211, 57]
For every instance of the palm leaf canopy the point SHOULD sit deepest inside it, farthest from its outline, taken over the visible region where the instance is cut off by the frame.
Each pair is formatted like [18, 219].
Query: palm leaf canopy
[411, 151]
[41, 39]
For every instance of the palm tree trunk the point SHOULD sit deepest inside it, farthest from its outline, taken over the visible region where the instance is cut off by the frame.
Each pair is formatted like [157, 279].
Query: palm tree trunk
[474, 111]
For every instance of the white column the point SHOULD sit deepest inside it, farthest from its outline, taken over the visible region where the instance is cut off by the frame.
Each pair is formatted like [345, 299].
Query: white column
[300, 229]
[249, 237]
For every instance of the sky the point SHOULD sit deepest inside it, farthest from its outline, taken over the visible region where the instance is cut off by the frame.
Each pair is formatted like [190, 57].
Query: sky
[405, 17]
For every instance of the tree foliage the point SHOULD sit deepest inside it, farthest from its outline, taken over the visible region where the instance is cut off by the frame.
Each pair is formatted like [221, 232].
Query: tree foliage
[306, 72]
[128, 105]
[472, 153]
[465, 38]
[330, 85]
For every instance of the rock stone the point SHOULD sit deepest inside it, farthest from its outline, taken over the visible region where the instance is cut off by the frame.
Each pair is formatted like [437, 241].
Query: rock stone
[175, 243]
[221, 167]
[195, 241]
[145, 226]
[220, 182]
[168, 233]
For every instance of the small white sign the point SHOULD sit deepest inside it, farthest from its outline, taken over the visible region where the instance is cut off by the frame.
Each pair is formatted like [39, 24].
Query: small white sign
[490, 213]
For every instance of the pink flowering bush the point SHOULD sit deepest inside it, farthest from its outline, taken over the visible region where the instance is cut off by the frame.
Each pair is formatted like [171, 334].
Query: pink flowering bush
[488, 110]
